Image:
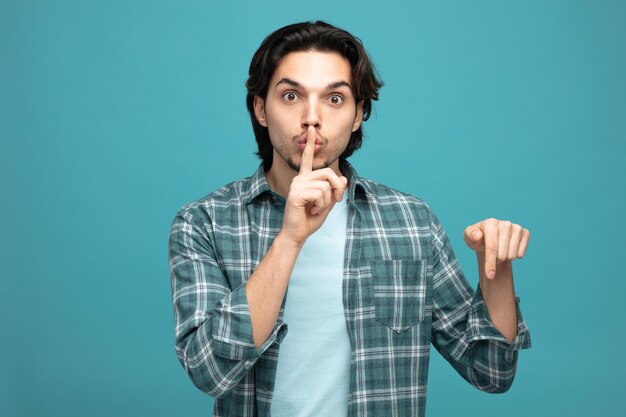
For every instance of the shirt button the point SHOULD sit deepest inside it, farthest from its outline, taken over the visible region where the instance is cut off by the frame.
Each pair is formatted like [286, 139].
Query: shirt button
[265, 387]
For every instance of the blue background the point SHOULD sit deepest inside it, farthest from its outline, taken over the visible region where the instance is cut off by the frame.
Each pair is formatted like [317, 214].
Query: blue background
[114, 114]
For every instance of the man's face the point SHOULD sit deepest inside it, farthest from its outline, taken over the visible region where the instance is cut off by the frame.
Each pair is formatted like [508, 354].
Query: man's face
[309, 88]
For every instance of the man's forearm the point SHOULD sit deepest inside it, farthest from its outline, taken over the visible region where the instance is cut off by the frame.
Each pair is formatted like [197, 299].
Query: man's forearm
[311, 195]
[499, 296]
[266, 287]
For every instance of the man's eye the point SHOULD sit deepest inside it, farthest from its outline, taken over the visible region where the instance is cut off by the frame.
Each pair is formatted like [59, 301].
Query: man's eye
[289, 96]
[336, 99]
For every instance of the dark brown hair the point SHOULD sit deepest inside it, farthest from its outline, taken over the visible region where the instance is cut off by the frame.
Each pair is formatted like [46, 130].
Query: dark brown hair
[314, 36]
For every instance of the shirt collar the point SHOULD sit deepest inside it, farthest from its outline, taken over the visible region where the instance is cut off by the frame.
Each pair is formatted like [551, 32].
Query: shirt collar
[357, 186]
[255, 186]
[258, 185]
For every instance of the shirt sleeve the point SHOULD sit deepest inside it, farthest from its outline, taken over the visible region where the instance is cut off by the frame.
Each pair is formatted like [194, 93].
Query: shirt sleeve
[213, 328]
[462, 330]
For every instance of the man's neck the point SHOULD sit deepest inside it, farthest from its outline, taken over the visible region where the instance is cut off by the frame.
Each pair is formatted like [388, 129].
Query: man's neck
[280, 182]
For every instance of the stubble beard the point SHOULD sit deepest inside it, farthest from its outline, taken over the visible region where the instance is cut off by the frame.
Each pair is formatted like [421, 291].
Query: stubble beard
[289, 160]
[296, 166]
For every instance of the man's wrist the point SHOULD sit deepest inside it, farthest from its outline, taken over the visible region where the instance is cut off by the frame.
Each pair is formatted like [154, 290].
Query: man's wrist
[288, 243]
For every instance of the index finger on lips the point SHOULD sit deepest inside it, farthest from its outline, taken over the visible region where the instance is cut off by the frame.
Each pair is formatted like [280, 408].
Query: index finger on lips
[306, 165]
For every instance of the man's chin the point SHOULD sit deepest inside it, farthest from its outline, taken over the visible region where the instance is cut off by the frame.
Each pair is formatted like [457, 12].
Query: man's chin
[291, 163]
[296, 166]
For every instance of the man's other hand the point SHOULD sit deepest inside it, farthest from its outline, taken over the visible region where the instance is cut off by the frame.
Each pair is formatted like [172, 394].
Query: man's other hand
[498, 241]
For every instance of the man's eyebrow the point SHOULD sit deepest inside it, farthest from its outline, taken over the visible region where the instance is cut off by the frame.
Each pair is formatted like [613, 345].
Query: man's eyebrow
[288, 81]
[338, 84]
[330, 86]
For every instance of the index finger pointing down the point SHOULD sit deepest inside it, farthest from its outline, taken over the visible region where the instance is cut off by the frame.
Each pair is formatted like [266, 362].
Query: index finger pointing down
[490, 233]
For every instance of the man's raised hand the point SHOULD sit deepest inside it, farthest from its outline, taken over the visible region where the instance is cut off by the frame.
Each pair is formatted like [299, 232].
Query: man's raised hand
[312, 195]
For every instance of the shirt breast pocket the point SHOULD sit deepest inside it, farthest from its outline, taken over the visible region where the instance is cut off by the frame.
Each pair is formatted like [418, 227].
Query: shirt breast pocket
[399, 288]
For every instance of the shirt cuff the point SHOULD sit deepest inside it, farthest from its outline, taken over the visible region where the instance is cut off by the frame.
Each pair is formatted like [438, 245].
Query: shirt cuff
[480, 326]
[232, 328]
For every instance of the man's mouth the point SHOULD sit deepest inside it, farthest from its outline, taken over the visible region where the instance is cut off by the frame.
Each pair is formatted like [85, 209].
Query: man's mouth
[302, 142]
[318, 146]
[302, 139]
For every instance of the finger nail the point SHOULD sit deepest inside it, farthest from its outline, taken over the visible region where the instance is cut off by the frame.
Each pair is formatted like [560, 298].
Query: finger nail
[491, 274]
[475, 235]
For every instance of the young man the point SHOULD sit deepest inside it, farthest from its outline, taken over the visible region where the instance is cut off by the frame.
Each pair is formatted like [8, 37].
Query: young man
[364, 275]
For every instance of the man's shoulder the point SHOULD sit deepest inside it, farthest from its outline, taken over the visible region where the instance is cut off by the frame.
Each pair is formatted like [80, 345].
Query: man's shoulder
[393, 205]
[227, 196]
[389, 196]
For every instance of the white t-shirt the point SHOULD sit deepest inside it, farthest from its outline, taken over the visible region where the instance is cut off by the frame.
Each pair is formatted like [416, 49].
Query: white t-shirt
[313, 373]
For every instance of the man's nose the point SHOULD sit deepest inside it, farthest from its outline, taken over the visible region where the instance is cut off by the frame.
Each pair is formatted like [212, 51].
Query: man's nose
[311, 116]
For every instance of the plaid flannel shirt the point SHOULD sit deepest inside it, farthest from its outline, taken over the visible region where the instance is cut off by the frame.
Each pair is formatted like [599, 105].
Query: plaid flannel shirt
[403, 289]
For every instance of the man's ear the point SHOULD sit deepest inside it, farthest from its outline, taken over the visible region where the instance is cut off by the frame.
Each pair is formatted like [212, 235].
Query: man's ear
[359, 116]
[259, 110]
